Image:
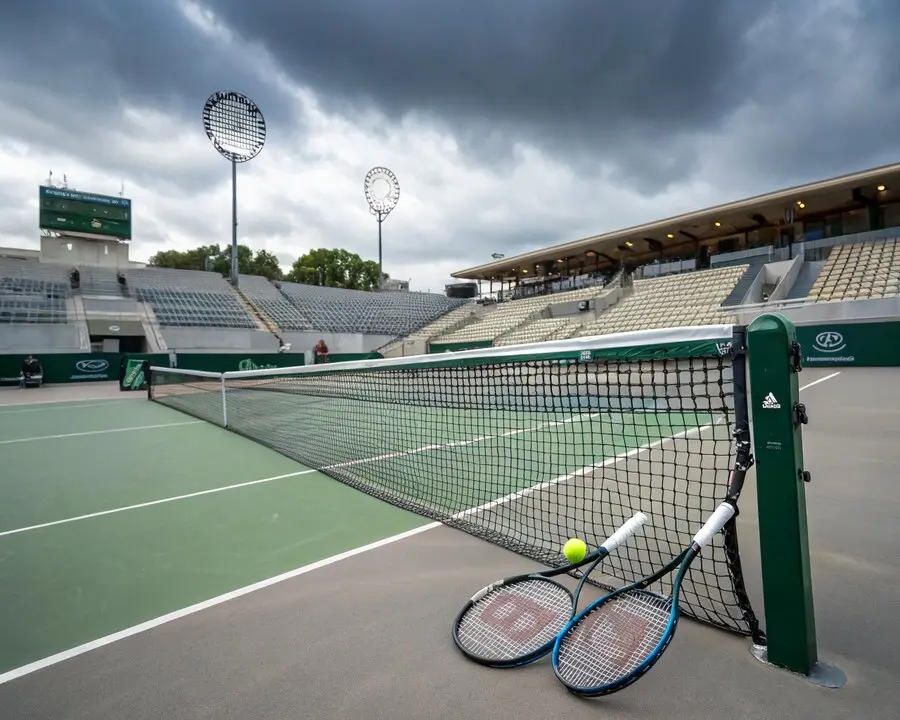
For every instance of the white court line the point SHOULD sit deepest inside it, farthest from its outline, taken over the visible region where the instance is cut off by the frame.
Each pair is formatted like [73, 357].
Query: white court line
[218, 600]
[820, 380]
[65, 405]
[101, 432]
[204, 605]
[151, 503]
[224, 488]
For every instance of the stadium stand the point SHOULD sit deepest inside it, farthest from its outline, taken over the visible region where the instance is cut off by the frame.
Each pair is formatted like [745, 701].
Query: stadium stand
[337, 310]
[859, 271]
[538, 331]
[504, 317]
[189, 298]
[691, 298]
[268, 300]
[445, 323]
[33, 293]
[96, 281]
[742, 286]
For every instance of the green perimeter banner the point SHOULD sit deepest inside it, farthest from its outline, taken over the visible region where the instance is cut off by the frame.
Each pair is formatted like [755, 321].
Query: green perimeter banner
[848, 344]
[64, 368]
[350, 357]
[221, 362]
[105, 367]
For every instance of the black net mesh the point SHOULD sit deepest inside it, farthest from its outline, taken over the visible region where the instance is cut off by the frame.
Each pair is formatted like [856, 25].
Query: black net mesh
[522, 452]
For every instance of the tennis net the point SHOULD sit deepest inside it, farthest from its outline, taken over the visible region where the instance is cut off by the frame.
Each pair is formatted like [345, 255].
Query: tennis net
[523, 445]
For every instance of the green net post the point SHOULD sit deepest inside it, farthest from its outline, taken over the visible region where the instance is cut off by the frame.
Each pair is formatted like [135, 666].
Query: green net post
[781, 477]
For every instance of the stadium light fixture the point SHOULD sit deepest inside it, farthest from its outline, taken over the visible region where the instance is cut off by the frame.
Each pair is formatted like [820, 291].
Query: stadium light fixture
[382, 192]
[237, 129]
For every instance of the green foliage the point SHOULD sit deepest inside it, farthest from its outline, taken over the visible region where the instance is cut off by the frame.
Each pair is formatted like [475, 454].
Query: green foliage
[335, 268]
[322, 266]
[218, 259]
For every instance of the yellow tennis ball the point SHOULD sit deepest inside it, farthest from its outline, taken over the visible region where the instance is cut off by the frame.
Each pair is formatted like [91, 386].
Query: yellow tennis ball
[574, 550]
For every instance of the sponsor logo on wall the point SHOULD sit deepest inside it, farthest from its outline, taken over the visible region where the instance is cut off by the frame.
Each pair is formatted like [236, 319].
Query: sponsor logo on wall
[93, 369]
[248, 364]
[830, 346]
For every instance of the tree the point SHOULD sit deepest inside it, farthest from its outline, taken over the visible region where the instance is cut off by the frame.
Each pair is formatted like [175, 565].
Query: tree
[335, 268]
[218, 259]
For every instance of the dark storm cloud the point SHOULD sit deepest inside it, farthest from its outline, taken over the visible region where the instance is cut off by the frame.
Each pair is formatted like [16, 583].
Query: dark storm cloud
[571, 74]
[634, 83]
[92, 55]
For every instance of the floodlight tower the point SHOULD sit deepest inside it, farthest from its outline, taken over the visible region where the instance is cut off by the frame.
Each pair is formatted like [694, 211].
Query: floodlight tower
[237, 129]
[382, 193]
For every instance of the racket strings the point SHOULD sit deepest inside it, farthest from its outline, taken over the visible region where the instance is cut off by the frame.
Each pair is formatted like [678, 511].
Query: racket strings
[515, 620]
[610, 642]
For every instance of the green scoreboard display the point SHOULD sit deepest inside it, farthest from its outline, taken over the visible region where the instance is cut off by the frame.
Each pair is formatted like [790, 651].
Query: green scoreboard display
[74, 211]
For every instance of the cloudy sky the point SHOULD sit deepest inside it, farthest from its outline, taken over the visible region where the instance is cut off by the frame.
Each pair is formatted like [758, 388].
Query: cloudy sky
[511, 124]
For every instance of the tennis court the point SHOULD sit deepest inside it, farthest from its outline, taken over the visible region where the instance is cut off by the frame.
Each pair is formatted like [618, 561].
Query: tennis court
[119, 511]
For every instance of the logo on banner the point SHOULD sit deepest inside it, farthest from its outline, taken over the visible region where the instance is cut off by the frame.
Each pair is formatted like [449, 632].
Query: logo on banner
[92, 366]
[248, 364]
[829, 341]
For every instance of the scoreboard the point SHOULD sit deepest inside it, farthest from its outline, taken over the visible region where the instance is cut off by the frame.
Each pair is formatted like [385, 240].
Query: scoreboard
[70, 210]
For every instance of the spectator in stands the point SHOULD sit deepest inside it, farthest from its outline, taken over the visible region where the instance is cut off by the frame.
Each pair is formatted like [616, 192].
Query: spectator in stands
[32, 372]
[320, 352]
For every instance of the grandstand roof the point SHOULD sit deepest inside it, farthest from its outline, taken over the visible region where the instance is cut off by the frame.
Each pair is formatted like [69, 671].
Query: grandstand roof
[721, 221]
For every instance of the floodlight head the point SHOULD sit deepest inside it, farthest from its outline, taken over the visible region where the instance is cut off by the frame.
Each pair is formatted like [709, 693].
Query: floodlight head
[382, 190]
[234, 125]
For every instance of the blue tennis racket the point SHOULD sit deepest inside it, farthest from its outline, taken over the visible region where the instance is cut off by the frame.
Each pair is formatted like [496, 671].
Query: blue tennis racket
[615, 640]
[515, 621]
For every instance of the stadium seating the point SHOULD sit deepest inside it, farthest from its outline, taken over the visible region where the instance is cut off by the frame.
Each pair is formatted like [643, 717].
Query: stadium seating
[691, 298]
[266, 297]
[538, 331]
[375, 313]
[33, 293]
[96, 281]
[499, 319]
[444, 323]
[189, 298]
[859, 271]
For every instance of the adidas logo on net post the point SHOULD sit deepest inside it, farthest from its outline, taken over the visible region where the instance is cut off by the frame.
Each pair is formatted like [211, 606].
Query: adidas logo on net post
[770, 402]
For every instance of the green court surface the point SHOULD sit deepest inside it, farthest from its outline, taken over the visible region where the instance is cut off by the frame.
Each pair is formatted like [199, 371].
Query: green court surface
[118, 512]
[78, 561]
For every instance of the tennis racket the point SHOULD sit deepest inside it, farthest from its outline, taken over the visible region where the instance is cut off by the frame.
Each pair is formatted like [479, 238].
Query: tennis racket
[514, 621]
[615, 640]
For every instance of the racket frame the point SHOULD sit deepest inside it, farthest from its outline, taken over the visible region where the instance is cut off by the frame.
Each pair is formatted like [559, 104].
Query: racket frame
[621, 535]
[719, 518]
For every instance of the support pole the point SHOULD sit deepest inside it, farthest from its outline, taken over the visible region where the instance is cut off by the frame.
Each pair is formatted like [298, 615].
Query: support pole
[380, 272]
[234, 224]
[781, 478]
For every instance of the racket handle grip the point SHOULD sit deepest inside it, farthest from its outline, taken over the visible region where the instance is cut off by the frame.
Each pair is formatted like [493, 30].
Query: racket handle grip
[716, 522]
[624, 532]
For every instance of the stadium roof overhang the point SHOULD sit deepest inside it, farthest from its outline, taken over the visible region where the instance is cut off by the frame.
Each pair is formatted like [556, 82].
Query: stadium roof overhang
[643, 243]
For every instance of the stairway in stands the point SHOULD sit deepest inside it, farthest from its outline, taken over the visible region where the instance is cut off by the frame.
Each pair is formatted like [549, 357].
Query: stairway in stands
[742, 287]
[805, 279]
[263, 321]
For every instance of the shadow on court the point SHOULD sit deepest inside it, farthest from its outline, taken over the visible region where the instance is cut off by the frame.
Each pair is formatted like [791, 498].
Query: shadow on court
[369, 636]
